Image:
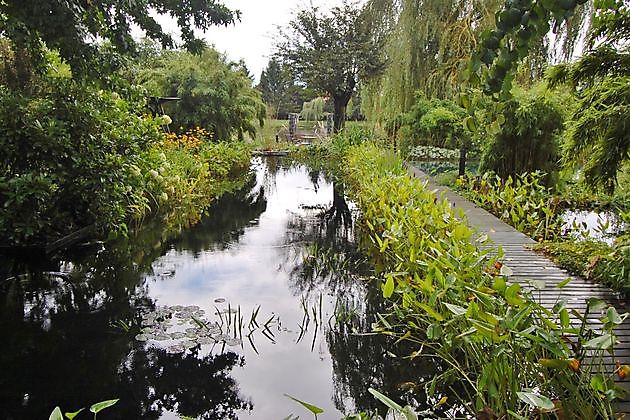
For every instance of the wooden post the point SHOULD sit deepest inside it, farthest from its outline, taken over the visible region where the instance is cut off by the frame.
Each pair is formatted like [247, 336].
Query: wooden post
[330, 124]
[462, 162]
[293, 125]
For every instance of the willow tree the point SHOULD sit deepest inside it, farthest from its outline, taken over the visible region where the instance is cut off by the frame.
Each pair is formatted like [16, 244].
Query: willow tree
[430, 44]
[427, 49]
[599, 138]
[330, 51]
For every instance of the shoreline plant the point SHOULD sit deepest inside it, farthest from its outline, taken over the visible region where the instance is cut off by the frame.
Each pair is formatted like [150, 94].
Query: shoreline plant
[514, 357]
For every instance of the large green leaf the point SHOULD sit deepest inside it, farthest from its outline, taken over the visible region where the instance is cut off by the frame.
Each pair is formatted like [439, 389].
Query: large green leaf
[100, 406]
[385, 400]
[535, 400]
[613, 316]
[456, 309]
[388, 287]
[56, 414]
[71, 416]
[310, 407]
[603, 342]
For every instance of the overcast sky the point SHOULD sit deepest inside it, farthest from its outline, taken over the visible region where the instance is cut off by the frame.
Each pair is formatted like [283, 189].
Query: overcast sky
[252, 38]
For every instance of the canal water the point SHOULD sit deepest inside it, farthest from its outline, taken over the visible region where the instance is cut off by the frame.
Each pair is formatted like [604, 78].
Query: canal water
[268, 296]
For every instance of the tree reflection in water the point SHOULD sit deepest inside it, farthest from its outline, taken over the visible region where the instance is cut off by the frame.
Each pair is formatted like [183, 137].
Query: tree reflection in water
[190, 385]
[334, 264]
[59, 347]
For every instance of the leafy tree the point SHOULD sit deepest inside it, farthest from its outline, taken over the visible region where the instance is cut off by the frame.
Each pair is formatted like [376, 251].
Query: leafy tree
[519, 28]
[215, 94]
[73, 26]
[528, 139]
[275, 84]
[599, 137]
[434, 122]
[331, 51]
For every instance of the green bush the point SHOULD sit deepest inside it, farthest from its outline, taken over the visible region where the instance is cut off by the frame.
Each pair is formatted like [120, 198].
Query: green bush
[502, 352]
[215, 94]
[523, 202]
[595, 261]
[528, 139]
[64, 153]
[436, 123]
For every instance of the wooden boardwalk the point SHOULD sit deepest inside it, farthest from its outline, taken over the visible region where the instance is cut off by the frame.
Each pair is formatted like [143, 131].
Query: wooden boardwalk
[528, 265]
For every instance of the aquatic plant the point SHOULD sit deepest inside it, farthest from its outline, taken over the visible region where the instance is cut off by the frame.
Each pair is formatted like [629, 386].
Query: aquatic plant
[523, 202]
[181, 328]
[94, 408]
[454, 302]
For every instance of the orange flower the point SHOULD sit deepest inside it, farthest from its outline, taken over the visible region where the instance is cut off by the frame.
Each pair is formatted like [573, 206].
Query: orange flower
[623, 371]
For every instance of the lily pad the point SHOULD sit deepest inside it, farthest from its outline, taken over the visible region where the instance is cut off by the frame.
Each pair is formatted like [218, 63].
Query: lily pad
[176, 349]
[234, 342]
[142, 337]
[219, 300]
[205, 340]
[162, 337]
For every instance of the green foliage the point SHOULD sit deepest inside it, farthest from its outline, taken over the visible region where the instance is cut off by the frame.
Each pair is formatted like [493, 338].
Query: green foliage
[74, 156]
[598, 138]
[72, 26]
[523, 202]
[330, 51]
[520, 27]
[434, 122]
[94, 408]
[428, 44]
[313, 110]
[451, 302]
[215, 94]
[528, 138]
[279, 90]
[595, 261]
[64, 153]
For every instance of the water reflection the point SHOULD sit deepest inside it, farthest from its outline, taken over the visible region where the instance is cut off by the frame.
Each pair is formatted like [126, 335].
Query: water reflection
[59, 345]
[285, 244]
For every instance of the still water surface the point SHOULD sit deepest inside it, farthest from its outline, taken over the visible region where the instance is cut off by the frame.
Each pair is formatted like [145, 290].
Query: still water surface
[281, 253]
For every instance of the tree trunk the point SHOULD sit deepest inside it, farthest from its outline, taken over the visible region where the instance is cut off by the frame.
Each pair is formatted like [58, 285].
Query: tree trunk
[340, 104]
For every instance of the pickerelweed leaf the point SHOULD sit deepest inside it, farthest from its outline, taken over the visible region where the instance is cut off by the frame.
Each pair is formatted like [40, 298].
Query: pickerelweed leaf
[56, 414]
[535, 400]
[456, 309]
[100, 406]
[310, 407]
[603, 342]
[71, 416]
[385, 400]
[388, 287]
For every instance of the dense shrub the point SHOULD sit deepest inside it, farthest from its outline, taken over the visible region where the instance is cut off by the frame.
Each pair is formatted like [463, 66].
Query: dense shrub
[74, 156]
[523, 202]
[528, 139]
[215, 94]
[434, 122]
[64, 154]
[595, 261]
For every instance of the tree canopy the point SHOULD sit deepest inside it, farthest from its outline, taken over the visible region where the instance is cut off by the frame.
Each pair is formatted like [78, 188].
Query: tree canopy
[72, 27]
[215, 94]
[600, 137]
[330, 51]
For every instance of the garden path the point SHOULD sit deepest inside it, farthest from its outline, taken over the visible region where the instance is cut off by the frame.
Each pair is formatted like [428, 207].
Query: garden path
[529, 266]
